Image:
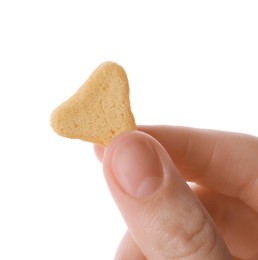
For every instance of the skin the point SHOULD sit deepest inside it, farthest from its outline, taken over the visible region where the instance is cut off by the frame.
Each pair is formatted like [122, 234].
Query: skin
[215, 217]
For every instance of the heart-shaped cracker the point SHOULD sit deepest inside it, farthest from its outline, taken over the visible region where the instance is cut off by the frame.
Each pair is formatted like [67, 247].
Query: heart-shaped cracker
[99, 110]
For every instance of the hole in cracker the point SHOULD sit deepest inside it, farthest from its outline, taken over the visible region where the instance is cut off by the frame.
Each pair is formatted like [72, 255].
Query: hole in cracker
[104, 87]
[76, 125]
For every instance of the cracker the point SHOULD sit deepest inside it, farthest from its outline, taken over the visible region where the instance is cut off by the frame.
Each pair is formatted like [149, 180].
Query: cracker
[99, 110]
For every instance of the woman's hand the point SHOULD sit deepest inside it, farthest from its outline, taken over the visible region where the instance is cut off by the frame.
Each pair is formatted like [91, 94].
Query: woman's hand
[147, 172]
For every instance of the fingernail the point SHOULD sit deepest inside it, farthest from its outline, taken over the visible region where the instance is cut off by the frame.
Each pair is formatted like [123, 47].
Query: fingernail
[137, 166]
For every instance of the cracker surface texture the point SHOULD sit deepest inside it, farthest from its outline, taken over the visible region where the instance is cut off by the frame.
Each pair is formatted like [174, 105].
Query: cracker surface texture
[99, 110]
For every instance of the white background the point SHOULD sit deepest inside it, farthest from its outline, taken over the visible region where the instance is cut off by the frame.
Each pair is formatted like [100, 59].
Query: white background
[191, 63]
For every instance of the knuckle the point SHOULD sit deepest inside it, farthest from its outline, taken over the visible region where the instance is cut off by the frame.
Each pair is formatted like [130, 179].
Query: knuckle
[190, 236]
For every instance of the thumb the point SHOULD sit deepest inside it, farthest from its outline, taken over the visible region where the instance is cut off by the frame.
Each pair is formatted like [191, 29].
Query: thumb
[164, 217]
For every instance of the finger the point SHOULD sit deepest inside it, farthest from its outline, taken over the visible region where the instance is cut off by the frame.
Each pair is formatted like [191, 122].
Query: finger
[128, 249]
[237, 223]
[164, 217]
[99, 151]
[223, 161]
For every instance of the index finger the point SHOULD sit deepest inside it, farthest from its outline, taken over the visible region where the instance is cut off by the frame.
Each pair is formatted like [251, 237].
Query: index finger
[222, 161]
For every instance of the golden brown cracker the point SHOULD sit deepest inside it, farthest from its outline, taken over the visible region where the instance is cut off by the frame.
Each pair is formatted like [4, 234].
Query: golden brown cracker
[99, 110]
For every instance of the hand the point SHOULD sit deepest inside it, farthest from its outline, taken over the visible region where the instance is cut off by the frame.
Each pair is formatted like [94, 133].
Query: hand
[147, 172]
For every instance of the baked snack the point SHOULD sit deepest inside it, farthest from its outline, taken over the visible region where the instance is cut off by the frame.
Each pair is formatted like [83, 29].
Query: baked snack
[99, 110]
